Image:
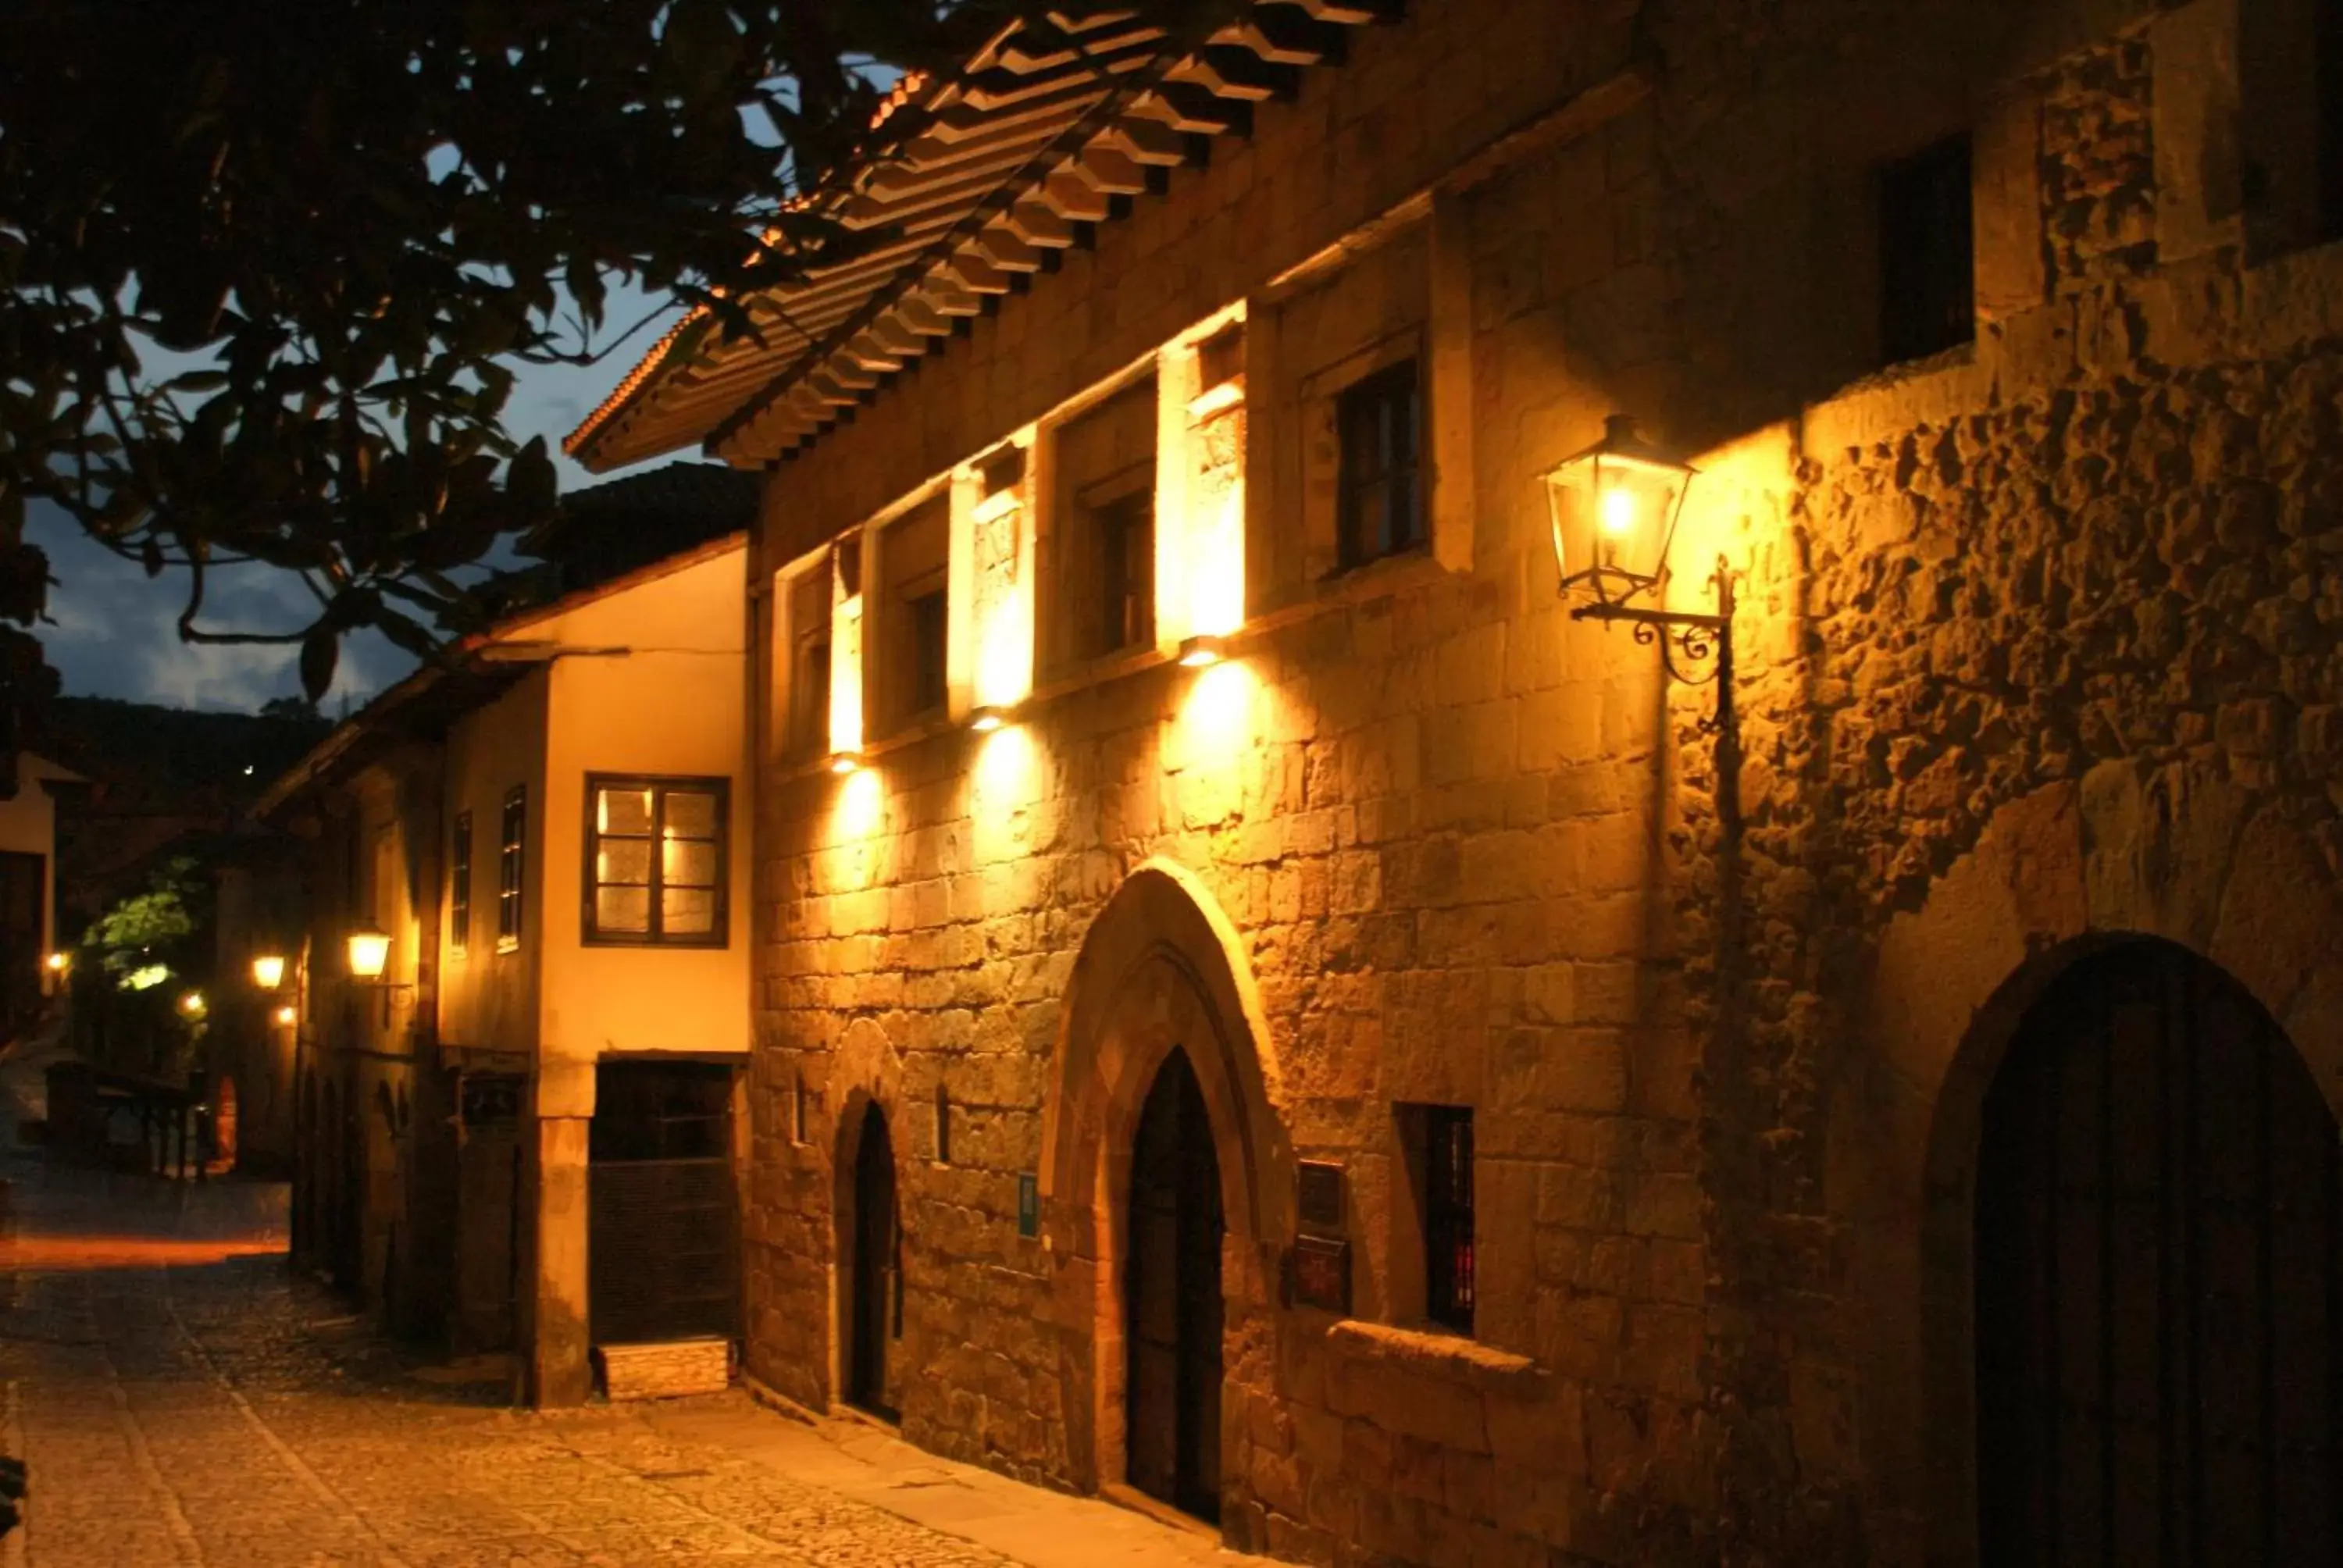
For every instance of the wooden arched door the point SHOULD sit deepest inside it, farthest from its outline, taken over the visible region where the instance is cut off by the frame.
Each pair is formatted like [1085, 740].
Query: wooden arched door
[1172, 1307]
[2160, 1280]
[875, 1297]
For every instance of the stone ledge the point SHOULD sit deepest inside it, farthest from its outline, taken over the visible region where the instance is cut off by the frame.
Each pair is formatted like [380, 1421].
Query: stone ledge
[1428, 1352]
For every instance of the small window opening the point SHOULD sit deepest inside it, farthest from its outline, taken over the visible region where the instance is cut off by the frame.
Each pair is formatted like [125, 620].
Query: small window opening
[1928, 285]
[1446, 1185]
[1378, 423]
[943, 1125]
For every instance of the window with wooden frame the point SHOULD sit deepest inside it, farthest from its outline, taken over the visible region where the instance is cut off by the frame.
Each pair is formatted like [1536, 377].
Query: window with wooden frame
[460, 883]
[1927, 253]
[915, 561]
[656, 861]
[512, 836]
[1443, 1182]
[808, 734]
[1379, 434]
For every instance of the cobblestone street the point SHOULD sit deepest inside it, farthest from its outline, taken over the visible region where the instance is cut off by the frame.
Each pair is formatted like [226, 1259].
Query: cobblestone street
[182, 1399]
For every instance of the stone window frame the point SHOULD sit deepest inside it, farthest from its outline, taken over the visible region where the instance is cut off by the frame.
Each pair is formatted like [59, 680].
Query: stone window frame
[1911, 248]
[1065, 558]
[802, 733]
[1411, 1290]
[1319, 396]
[660, 786]
[887, 710]
[459, 882]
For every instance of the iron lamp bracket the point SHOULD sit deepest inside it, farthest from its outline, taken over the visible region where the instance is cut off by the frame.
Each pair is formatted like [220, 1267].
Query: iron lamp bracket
[1688, 640]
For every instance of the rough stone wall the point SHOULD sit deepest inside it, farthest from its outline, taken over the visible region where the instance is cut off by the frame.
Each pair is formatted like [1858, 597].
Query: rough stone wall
[1477, 854]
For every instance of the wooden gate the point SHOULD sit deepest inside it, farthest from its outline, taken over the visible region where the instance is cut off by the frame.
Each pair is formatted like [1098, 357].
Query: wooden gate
[1171, 1297]
[662, 1247]
[2160, 1280]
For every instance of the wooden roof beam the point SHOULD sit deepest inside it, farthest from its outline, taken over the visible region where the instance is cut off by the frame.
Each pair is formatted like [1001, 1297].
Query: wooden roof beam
[1203, 112]
[1147, 141]
[1075, 200]
[1039, 223]
[1006, 251]
[1108, 171]
[974, 273]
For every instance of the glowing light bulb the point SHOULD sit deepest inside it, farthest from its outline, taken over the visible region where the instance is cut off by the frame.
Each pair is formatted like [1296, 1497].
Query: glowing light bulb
[58, 964]
[369, 952]
[192, 1003]
[1618, 511]
[845, 762]
[985, 720]
[286, 1016]
[1199, 651]
[269, 970]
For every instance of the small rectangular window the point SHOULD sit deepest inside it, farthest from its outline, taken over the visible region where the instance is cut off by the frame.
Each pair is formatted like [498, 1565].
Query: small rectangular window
[1379, 431]
[511, 837]
[1126, 590]
[655, 861]
[459, 884]
[1927, 266]
[1447, 1195]
[809, 695]
[916, 630]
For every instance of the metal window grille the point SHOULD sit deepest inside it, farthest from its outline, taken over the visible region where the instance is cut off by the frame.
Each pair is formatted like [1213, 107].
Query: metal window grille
[1379, 426]
[1448, 1216]
[459, 884]
[656, 860]
[511, 836]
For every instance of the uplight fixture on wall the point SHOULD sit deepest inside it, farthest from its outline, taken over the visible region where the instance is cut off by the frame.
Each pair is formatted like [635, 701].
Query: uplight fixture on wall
[844, 762]
[1613, 510]
[269, 970]
[1196, 652]
[985, 720]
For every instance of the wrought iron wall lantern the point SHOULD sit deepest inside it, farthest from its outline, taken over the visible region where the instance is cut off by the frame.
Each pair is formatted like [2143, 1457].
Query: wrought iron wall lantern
[1613, 510]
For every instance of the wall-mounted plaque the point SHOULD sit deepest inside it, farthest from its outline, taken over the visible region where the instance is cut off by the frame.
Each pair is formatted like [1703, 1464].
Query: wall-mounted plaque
[1321, 1198]
[1322, 1273]
[1029, 1205]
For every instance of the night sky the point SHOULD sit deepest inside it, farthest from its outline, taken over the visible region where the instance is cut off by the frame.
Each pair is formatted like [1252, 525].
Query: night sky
[114, 631]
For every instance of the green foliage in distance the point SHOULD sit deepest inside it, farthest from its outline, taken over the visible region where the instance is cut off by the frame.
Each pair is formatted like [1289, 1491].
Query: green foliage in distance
[153, 929]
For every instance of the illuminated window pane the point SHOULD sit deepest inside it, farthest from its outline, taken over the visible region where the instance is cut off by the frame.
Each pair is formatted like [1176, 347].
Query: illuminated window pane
[690, 814]
[624, 860]
[688, 864]
[687, 911]
[624, 810]
[623, 909]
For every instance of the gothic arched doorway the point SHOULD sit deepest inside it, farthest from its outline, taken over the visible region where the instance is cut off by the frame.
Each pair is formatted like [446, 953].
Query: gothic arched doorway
[874, 1272]
[1172, 1306]
[2158, 1280]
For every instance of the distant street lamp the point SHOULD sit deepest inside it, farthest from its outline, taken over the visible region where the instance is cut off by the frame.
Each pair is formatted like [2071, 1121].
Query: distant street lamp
[269, 970]
[369, 952]
[192, 1004]
[1613, 510]
[288, 1015]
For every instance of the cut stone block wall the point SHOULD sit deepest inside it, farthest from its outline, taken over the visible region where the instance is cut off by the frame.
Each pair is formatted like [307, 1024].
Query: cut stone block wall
[2037, 639]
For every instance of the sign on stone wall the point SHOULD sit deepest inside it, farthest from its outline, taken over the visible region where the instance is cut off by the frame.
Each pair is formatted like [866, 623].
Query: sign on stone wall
[1319, 1199]
[1029, 1204]
[1320, 1273]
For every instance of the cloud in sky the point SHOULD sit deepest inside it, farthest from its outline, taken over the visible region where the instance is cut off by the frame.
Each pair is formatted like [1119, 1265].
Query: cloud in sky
[116, 633]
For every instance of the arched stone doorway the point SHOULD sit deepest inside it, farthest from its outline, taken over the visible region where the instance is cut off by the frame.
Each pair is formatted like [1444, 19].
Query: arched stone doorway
[1162, 975]
[2159, 1316]
[1172, 1304]
[2133, 852]
[872, 1270]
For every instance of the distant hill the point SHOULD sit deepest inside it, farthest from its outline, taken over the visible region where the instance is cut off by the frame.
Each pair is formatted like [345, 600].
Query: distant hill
[163, 780]
[175, 756]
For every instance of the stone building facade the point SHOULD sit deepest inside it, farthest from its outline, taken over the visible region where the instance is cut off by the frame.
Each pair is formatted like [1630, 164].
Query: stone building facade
[2032, 737]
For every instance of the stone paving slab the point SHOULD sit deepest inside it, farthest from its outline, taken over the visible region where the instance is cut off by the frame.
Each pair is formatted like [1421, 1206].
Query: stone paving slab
[202, 1408]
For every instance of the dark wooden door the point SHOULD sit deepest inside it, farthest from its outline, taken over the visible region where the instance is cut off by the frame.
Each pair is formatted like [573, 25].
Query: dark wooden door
[876, 1310]
[1172, 1299]
[2159, 1221]
[24, 880]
